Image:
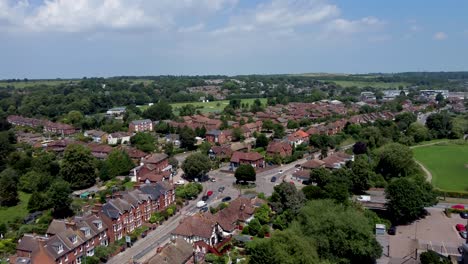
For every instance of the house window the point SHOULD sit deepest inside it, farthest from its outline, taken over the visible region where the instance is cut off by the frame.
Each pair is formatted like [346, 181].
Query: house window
[90, 252]
[78, 260]
[60, 248]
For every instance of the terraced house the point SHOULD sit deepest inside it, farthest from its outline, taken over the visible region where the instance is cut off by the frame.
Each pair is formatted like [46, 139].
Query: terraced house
[66, 241]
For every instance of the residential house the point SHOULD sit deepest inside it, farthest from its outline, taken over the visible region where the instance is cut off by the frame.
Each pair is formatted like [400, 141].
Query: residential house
[67, 241]
[178, 251]
[252, 158]
[59, 128]
[97, 135]
[313, 164]
[119, 138]
[216, 136]
[239, 211]
[100, 151]
[198, 228]
[249, 129]
[135, 154]
[298, 137]
[337, 160]
[140, 125]
[153, 168]
[116, 112]
[220, 152]
[279, 148]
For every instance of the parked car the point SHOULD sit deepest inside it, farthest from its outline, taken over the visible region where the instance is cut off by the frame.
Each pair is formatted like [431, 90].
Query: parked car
[221, 189]
[226, 199]
[460, 227]
[280, 171]
[143, 235]
[201, 204]
[205, 198]
[463, 234]
[273, 179]
[209, 193]
[392, 230]
[464, 215]
[458, 206]
[297, 165]
[203, 209]
[213, 180]
[364, 198]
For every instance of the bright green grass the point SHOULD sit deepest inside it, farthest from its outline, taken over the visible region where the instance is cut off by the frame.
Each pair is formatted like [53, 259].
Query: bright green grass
[376, 84]
[210, 107]
[447, 163]
[20, 210]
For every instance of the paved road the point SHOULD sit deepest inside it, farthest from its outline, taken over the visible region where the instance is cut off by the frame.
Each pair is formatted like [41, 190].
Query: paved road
[144, 248]
[264, 183]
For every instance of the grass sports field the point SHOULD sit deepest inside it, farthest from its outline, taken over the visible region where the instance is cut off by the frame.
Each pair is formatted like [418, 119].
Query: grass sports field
[448, 164]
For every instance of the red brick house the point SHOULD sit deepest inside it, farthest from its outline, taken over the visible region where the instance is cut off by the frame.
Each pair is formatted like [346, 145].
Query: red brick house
[283, 149]
[59, 128]
[67, 241]
[216, 136]
[140, 125]
[250, 158]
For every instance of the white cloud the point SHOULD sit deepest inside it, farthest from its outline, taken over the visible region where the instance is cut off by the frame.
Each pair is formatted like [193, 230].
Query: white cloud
[440, 36]
[345, 26]
[84, 15]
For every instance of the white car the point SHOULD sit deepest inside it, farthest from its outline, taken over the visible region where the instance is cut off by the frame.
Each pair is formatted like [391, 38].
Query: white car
[201, 204]
[180, 182]
[280, 171]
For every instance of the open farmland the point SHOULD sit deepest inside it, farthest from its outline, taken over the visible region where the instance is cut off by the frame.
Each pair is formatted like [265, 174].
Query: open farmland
[210, 107]
[448, 164]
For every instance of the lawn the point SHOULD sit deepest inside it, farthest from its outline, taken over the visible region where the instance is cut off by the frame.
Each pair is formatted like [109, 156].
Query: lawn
[209, 107]
[448, 164]
[20, 210]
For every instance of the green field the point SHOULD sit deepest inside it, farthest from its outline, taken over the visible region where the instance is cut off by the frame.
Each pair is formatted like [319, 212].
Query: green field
[210, 107]
[375, 84]
[10, 213]
[448, 164]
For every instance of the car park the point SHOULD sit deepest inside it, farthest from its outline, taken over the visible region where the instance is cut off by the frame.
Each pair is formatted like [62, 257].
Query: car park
[226, 199]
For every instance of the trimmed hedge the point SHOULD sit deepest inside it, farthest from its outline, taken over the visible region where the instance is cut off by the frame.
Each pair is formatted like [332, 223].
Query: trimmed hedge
[452, 194]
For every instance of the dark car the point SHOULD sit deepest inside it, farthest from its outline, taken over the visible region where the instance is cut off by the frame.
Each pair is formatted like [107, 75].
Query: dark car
[205, 198]
[226, 199]
[203, 209]
[297, 165]
[221, 189]
[273, 179]
[464, 215]
[392, 230]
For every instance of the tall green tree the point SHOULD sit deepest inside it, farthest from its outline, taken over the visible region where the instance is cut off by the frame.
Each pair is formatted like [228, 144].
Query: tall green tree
[187, 138]
[261, 141]
[440, 125]
[143, 141]
[59, 196]
[8, 188]
[118, 163]
[159, 111]
[418, 132]
[286, 197]
[78, 167]
[395, 160]
[407, 199]
[404, 120]
[196, 166]
[34, 181]
[362, 172]
[245, 173]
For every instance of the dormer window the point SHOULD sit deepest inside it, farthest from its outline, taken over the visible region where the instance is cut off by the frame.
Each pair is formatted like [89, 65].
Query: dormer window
[86, 231]
[59, 248]
[98, 224]
[73, 239]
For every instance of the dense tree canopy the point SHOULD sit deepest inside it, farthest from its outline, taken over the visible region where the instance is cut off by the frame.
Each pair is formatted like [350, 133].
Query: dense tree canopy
[407, 199]
[261, 141]
[8, 188]
[395, 160]
[196, 166]
[143, 141]
[440, 125]
[159, 111]
[245, 173]
[118, 163]
[78, 167]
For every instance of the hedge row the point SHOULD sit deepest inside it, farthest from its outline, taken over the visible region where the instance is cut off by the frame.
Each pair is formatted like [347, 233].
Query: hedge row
[452, 194]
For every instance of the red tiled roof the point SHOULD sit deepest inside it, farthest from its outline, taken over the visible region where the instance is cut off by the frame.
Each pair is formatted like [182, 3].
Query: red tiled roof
[312, 164]
[249, 156]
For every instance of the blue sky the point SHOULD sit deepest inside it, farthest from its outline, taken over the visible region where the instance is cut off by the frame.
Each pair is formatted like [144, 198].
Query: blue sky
[65, 38]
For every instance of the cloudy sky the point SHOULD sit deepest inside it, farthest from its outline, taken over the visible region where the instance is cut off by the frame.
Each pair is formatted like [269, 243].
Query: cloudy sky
[76, 38]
